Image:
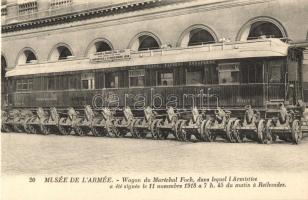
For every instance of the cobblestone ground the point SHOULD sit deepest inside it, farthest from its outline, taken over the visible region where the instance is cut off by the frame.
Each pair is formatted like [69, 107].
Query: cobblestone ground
[38, 154]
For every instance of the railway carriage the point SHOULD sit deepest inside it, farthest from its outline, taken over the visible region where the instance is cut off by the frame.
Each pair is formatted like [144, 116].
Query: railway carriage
[262, 73]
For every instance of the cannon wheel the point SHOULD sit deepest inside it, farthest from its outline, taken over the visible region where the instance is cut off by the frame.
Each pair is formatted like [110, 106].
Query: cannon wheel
[261, 131]
[5, 128]
[162, 135]
[32, 129]
[95, 132]
[28, 127]
[185, 136]
[296, 131]
[202, 133]
[138, 133]
[155, 128]
[134, 131]
[16, 128]
[236, 127]
[269, 137]
[79, 131]
[177, 133]
[63, 129]
[44, 129]
[230, 130]
[208, 133]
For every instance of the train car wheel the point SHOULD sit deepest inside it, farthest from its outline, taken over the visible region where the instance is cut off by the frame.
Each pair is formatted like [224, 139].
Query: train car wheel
[296, 131]
[230, 130]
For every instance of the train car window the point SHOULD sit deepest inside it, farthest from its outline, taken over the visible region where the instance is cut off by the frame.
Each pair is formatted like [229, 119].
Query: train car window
[164, 77]
[274, 71]
[18, 85]
[251, 72]
[63, 82]
[30, 84]
[293, 71]
[51, 83]
[99, 80]
[24, 85]
[112, 80]
[73, 82]
[136, 78]
[211, 74]
[87, 81]
[228, 73]
[194, 76]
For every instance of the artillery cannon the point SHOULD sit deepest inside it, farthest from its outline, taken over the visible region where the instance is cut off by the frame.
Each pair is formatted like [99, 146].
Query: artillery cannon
[145, 125]
[51, 122]
[17, 120]
[36, 123]
[124, 125]
[67, 123]
[103, 124]
[5, 127]
[194, 126]
[219, 125]
[170, 124]
[251, 127]
[283, 125]
[83, 124]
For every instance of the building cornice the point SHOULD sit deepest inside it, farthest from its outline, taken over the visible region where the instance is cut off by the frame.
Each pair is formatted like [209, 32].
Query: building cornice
[86, 14]
[141, 15]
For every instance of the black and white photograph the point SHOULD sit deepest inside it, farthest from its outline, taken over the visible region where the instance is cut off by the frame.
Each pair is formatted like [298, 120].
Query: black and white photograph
[154, 99]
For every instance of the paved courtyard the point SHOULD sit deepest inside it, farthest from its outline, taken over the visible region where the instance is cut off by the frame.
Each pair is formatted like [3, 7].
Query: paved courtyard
[53, 154]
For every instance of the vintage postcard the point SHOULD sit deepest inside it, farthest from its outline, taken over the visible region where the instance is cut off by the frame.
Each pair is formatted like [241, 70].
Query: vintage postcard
[154, 99]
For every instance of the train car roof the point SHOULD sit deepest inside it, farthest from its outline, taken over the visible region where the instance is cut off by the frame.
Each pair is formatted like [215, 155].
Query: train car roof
[126, 58]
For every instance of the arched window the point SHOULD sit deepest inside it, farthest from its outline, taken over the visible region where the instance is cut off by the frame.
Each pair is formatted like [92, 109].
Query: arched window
[261, 27]
[144, 41]
[147, 42]
[98, 45]
[197, 34]
[26, 56]
[60, 52]
[101, 46]
[266, 29]
[64, 52]
[200, 36]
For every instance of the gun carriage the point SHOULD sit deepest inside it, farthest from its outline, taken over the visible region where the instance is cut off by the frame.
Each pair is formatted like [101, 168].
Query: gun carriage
[168, 125]
[219, 125]
[103, 124]
[145, 125]
[252, 127]
[124, 125]
[193, 127]
[283, 124]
